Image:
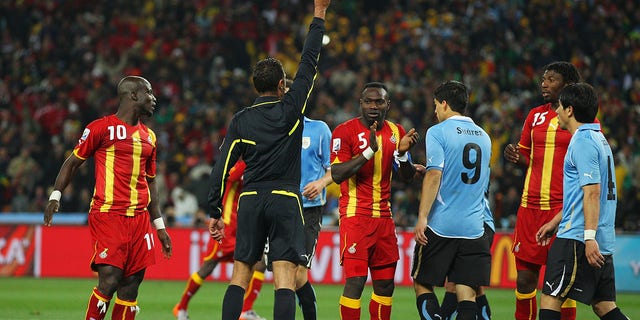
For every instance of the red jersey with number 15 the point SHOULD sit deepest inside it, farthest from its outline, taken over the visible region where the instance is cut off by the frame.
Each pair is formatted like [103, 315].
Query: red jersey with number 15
[368, 192]
[545, 144]
[124, 157]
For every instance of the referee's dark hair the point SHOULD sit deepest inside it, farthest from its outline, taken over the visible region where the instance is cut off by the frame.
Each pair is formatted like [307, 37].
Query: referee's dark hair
[267, 74]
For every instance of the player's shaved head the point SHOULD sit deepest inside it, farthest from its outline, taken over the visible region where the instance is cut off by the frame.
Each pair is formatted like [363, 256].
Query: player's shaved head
[129, 84]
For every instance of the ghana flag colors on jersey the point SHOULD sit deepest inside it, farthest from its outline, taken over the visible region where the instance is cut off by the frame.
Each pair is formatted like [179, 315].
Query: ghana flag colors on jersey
[545, 144]
[124, 156]
[367, 192]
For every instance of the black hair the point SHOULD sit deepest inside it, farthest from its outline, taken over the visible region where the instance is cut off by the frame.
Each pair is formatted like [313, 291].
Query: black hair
[582, 97]
[267, 74]
[379, 85]
[455, 93]
[567, 70]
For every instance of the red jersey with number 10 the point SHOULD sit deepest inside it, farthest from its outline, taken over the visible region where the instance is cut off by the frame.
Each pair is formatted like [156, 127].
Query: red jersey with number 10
[124, 157]
[368, 192]
[545, 144]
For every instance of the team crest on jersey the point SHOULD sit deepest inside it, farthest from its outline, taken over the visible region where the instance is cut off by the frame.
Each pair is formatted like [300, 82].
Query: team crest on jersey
[85, 135]
[306, 142]
[103, 254]
[393, 138]
[352, 248]
[517, 248]
[336, 145]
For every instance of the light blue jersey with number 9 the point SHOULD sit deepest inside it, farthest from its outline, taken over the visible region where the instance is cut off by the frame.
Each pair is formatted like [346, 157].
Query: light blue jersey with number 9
[461, 150]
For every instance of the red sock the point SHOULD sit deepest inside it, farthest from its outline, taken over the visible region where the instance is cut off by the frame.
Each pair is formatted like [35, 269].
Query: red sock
[380, 307]
[253, 290]
[97, 306]
[349, 308]
[193, 284]
[526, 306]
[568, 310]
[124, 310]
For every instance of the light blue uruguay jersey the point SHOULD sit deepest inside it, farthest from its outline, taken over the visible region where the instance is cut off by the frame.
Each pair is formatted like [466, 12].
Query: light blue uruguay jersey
[461, 150]
[316, 140]
[589, 161]
[487, 215]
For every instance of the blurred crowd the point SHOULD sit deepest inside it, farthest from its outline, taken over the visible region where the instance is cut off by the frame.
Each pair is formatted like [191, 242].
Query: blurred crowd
[61, 60]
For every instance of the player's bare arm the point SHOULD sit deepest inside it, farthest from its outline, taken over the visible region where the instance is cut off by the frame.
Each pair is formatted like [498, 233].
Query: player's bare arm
[513, 155]
[314, 188]
[407, 170]
[158, 221]
[430, 187]
[63, 179]
[548, 230]
[342, 171]
[591, 217]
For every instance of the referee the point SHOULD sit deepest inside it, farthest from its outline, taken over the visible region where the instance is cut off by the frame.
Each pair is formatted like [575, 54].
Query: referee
[268, 137]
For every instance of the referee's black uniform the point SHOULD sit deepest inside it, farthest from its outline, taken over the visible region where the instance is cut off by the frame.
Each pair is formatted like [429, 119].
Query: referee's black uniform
[268, 136]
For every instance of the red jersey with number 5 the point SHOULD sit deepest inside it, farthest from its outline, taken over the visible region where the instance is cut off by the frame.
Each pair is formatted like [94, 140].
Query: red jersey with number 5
[124, 157]
[544, 143]
[368, 191]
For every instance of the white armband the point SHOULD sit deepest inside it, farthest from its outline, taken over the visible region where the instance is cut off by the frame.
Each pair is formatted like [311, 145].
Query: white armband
[368, 153]
[158, 223]
[403, 158]
[55, 195]
[589, 235]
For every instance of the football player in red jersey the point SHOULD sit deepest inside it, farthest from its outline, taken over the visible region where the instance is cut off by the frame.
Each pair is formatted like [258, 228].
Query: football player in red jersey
[364, 152]
[541, 151]
[124, 200]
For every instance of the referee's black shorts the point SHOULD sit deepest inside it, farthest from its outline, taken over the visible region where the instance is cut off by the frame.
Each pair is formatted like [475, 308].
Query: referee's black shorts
[275, 215]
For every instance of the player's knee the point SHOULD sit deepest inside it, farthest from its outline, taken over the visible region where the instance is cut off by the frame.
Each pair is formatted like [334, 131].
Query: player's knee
[383, 287]
[601, 308]
[526, 281]
[353, 287]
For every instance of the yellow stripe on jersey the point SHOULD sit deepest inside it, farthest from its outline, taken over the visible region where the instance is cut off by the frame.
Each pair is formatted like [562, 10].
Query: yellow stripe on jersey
[353, 193]
[547, 165]
[227, 207]
[135, 172]
[109, 160]
[525, 192]
[376, 179]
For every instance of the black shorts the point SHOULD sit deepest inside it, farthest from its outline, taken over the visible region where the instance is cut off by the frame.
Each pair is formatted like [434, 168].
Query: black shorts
[312, 225]
[569, 274]
[463, 261]
[274, 215]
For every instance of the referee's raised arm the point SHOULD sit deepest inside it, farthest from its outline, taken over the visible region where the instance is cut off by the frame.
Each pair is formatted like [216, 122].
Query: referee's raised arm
[307, 70]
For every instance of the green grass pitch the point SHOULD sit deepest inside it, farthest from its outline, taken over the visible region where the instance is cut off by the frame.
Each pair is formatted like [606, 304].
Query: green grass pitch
[55, 298]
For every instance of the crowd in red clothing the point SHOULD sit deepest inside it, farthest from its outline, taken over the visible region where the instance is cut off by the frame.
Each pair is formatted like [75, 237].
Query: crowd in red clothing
[61, 60]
